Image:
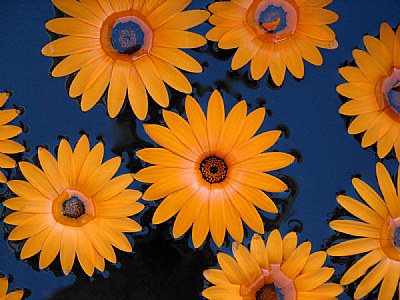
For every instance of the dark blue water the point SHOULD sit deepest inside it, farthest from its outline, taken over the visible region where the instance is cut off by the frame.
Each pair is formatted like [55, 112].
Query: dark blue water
[161, 267]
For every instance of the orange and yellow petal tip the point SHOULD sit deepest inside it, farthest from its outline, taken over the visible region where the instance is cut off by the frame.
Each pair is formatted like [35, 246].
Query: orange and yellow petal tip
[4, 97]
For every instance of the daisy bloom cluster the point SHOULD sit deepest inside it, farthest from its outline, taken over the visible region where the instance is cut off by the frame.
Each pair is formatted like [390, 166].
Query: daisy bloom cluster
[377, 236]
[374, 92]
[211, 169]
[8, 132]
[73, 206]
[277, 269]
[129, 46]
[274, 34]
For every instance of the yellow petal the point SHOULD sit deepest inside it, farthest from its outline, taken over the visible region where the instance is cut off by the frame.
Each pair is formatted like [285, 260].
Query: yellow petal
[178, 58]
[372, 279]
[217, 216]
[93, 94]
[231, 269]
[51, 246]
[152, 81]
[187, 19]
[168, 185]
[67, 249]
[165, 12]
[11, 147]
[181, 129]
[261, 60]
[355, 246]
[369, 66]
[277, 68]
[38, 179]
[50, 168]
[201, 226]
[258, 251]
[197, 122]
[245, 53]
[296, 261]
[309, 281]
[291, 57]
[245, 260]
[77, 10]
[189, 212]
[314, 262]
[274, 247]
[379, 51]
[172, 76]
[118, 87]
[289, 244]
[360, 210]
[164, 157]
[137, 94]
[236, 37]
[388, 190]
[257, 180]
[66, 162]
[355, 228]
[70, 45]
[164, 137]
[253, 147]
[172, 38]
[370, 197]
[73, 26]
[215, 119]
[231, 128]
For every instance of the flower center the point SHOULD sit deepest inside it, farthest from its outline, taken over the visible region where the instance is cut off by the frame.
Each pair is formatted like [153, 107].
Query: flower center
[73, 208]
[269, 292]
[396, 237]
[273, 21]
[213, 169]
[387, 91]
[271, 284]
[127, 37]
[273, 18]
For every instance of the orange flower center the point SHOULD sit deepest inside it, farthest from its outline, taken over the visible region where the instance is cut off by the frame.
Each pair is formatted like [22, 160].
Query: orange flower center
[273, 21]
[387, 91]
[213, 169]
[389, 238]
[269, 285]
[126, 36]
[72, 208]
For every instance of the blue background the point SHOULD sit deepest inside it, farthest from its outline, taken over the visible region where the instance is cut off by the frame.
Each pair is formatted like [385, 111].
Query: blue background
[161, 268]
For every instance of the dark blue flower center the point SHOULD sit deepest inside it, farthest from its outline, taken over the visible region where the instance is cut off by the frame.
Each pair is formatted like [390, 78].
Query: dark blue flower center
[396, 237]
[273, 18]
[393, 97]
[127, 37]
[73, 208]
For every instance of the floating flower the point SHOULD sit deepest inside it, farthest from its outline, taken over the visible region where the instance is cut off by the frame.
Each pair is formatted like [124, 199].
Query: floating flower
[273, 33]
[212, 170]
[378, 234]
[73, 207]
[373, 89]
[15, 295]
[129, 45]
[277, 270]
[7, 132]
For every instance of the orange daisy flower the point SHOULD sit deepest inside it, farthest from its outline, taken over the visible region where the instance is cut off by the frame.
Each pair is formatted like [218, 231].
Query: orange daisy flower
[212, 170]
[73, 207]
[373, 89]
[15, 295]
[273, 34]
[378, 235]
[7, 132]
[130, 45]
[275, 270]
